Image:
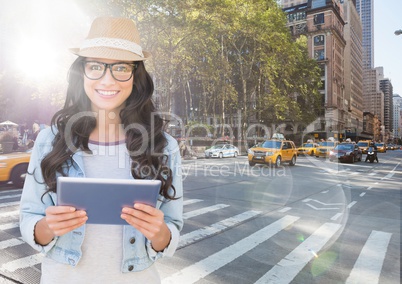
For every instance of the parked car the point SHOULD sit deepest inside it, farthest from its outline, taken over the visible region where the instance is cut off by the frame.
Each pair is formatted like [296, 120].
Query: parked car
[222, 150]
[325, 147]
[13, 167]
[364, 145]
[381, 147]
[273, 152]
[346, 152]
[307, 149]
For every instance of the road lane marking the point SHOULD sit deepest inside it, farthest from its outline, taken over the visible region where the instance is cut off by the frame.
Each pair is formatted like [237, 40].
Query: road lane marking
[296, 260]
[336, 216]
[285, 209]
[362, 194]
[372, 174]
[197, 271]
[369, 188]
[11, 191]
[10, 243]
[216, 228]
[8, 204]
[10, 213]
[351, 204]
[204, 210]
[10, 196]
[368, 266]
[391, 174]
[22, 262]
[191, 201]
[322, 208]
[9, 226]
[326, 204]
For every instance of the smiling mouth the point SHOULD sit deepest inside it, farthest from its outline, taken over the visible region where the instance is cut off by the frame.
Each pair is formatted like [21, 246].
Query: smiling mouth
[107, 93]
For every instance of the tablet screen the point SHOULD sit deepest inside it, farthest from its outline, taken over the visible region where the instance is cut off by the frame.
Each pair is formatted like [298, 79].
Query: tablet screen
[103, 199]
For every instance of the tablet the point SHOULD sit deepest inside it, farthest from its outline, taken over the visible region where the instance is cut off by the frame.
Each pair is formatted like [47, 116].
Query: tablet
[103, 199]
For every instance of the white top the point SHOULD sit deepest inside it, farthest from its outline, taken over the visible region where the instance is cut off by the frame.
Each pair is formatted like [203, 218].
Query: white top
[102, 247]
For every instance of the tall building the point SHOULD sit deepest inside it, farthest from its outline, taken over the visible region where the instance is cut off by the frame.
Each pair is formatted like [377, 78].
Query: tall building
[386, 88]
[375, 102]
[397, 123]
[353, 69]
[365, 8]
[334, 33]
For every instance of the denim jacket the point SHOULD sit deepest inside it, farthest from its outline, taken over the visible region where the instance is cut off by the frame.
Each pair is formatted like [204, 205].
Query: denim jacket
[138, 253]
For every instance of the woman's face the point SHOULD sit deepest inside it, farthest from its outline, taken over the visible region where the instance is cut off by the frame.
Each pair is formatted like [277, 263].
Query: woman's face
[107, 93]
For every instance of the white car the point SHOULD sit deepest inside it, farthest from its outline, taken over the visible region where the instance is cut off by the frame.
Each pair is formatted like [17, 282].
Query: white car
[222, 150]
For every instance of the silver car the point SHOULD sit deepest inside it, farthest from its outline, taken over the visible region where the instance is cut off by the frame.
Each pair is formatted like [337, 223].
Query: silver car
[222, 150]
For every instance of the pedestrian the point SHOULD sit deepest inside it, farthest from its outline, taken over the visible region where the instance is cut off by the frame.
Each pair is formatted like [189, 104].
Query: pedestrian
[108, 128]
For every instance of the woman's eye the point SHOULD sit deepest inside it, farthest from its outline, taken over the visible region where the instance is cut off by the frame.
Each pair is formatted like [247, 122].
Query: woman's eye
[121, 68]
[96, 67]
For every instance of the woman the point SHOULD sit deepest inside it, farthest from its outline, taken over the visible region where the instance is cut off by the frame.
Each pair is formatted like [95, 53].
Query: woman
[107, 129]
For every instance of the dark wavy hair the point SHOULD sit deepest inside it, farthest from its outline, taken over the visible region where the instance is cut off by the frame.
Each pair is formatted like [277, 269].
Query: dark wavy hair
[145, 140]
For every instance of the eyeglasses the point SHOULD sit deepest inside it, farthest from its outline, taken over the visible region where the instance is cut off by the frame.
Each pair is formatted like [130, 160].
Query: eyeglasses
[121, 72]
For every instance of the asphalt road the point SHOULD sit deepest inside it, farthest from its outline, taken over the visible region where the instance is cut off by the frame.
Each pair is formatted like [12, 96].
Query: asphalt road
[316, 222]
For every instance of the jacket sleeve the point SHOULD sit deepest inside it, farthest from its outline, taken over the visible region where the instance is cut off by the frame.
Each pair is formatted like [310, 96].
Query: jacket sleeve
[172, 209]
[33, 205]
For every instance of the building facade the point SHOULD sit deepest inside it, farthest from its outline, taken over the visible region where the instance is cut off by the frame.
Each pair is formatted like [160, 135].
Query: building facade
[365, 9]
[334, 34]
[386, 88]
[397, 116]
[353, 70]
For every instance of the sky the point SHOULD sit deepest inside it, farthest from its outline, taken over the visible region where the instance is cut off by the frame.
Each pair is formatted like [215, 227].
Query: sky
[388, 46]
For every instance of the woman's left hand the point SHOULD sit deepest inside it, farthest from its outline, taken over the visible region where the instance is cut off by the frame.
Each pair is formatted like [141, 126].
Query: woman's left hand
[150, 222]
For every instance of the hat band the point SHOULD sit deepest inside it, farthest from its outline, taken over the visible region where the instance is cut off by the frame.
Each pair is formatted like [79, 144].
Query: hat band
[113, 43]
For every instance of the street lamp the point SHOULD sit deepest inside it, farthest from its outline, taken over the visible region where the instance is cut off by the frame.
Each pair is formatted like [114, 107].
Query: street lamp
[398, 32]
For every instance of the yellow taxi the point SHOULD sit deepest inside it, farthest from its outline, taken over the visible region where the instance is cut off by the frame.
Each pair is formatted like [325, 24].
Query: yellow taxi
[364, 145]
[381, 147]
[325, 148]
[13, 167]
[308, 148]
[273, 152]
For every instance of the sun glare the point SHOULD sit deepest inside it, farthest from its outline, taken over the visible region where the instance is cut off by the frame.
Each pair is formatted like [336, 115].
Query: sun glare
[42, 40]
[36, 59]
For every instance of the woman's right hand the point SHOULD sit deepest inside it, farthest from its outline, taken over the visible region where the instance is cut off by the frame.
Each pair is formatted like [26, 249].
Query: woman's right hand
[59, 220]
[64, 219]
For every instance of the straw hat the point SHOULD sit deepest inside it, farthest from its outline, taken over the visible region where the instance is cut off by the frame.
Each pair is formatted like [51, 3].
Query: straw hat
[113, 38]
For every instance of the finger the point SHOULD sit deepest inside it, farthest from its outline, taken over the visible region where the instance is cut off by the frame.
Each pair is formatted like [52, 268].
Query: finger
[67, 226]
[56, 218]
[65, 230]
[146, 208]
[59, 209]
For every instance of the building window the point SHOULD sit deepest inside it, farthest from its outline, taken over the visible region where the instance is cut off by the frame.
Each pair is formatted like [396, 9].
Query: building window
[319, 54]
[318, 40]
[319, 19]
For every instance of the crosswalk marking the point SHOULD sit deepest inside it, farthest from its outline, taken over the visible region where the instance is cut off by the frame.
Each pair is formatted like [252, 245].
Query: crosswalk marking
[11, 191]
[7, 204]
[10, 213]
[10, 243]
[191, 201]
[9, 226]
[10, 196]
[196, 235]
[22, 262]
[368, 266]
[195, 272]
[204, 210]
[294, 262]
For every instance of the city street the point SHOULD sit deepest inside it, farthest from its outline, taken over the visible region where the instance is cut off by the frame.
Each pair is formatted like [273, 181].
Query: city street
[315, 222]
